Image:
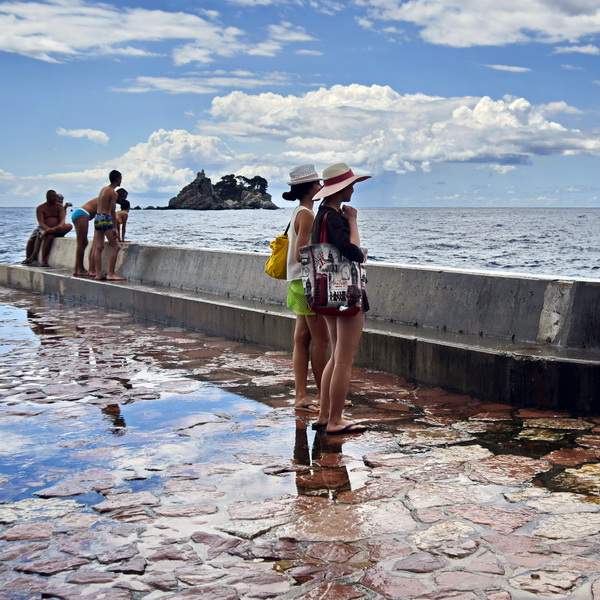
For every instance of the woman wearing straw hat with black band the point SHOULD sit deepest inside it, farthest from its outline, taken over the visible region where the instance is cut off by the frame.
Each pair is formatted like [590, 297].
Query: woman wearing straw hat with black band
[344, 332]
[310, 333]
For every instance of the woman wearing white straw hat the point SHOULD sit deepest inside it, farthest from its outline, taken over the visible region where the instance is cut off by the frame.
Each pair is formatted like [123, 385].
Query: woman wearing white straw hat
[344, 332]
[310, 334]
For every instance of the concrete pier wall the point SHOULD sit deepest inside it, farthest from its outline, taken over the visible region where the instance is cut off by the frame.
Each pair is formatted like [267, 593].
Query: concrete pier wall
[518, 339]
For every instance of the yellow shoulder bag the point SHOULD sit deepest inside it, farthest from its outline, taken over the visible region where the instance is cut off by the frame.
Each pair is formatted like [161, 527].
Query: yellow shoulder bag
[276, 265]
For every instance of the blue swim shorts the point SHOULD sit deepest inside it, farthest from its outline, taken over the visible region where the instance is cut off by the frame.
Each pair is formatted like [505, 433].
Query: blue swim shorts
[79, 212]
[103, 222]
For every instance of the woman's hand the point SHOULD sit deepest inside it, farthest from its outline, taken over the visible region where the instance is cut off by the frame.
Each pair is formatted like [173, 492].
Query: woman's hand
[349, 213]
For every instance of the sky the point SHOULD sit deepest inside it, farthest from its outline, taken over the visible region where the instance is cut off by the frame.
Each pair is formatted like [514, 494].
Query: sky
[471, 103]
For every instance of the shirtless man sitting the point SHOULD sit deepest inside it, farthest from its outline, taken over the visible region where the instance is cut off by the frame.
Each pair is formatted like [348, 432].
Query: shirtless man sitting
[104, 226]
[51, 224]
[81, 218]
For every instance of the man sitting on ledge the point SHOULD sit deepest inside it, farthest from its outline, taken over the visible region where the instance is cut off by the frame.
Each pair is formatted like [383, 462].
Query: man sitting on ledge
[51, 224]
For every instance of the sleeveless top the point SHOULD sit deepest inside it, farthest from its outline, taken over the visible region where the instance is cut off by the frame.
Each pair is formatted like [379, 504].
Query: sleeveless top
[294, 268]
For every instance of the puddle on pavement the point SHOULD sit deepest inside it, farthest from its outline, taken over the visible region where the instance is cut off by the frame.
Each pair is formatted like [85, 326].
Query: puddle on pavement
[160, 451]
[84, 388]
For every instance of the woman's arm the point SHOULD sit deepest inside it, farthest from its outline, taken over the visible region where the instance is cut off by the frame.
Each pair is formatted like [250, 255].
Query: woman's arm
[342, 232]
[303, 227]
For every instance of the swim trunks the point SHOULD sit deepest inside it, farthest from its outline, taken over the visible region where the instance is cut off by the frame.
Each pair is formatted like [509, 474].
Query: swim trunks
[103, 222]
[36, 232]
[79, 212]
[296, 300]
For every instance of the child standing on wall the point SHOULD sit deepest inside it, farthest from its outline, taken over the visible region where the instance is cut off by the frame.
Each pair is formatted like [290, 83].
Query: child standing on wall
[104, 227]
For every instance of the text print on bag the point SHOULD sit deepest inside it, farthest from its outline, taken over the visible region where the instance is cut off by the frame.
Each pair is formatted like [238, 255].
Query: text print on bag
[342, 289]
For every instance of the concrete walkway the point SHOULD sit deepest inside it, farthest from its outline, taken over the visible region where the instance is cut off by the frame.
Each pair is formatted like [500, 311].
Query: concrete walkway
[529, 341]
[146, 461]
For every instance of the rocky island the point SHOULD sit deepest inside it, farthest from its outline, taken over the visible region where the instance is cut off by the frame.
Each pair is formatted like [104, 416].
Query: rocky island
[231, 192]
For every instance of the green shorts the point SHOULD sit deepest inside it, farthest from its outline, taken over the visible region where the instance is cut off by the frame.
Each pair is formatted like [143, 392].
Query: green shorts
[296, 300]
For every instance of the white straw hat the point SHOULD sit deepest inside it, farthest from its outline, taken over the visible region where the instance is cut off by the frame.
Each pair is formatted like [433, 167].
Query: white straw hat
[303, 174]
[336, 178]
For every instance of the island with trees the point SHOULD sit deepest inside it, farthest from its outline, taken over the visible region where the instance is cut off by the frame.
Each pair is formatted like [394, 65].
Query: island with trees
[230, 193]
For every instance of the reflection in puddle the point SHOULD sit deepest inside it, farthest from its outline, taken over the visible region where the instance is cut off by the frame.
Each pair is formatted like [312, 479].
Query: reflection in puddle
[138, 435]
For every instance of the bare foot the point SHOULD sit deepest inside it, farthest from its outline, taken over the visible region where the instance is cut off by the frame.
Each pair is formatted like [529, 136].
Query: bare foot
[114, 277]
[100, 277]
[44, 264]
[83, 274]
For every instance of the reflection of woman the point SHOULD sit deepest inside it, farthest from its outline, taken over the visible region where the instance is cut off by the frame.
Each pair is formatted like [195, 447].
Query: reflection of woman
[344, 332]
[326, 474]
[310, 335]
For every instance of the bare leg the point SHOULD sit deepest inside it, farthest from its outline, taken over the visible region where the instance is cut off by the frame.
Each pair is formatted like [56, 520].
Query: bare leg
[323, 417]
[98, 248]
[92, 261]
[81, 231]
[46, 246]
[29, 248]
[318, 353]
[300, 364]
[114, 246]
[349, 331]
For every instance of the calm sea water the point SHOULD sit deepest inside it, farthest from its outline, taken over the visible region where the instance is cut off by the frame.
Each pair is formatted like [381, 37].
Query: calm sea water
[559, 242]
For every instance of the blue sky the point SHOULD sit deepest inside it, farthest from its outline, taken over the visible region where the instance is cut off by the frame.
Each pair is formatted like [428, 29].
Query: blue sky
[444, 102]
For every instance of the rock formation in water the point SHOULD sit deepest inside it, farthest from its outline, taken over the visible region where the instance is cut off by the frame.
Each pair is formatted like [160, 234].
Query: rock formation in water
[202, 195]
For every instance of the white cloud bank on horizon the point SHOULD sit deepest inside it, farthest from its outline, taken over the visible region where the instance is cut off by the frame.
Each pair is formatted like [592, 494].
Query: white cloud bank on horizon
[93, 135]
[383, 130]
[373, 128]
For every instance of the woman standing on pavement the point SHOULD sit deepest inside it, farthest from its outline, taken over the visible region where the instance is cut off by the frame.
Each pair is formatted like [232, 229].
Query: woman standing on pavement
[344, 331]
[310, 334]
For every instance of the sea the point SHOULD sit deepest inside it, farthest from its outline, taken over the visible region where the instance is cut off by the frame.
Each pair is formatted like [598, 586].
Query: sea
[554, 242]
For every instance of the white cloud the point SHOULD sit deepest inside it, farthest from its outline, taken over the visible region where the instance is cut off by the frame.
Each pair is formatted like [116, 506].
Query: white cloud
[287, 31]
[169, 159]
[381, 130]
[589, 49]
[502, 169]
[57, 30]
[555, 108]
[91, 134]
[206, 83]
[166, 162]
[464, 23]
[373, 128]
[309, 52]
[508, 68]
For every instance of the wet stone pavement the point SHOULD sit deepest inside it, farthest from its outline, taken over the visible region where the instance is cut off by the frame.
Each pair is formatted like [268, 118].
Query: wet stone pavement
[144, 461]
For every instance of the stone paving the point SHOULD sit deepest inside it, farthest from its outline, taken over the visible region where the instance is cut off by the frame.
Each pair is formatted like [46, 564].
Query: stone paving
[142, 461]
